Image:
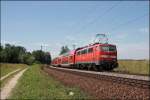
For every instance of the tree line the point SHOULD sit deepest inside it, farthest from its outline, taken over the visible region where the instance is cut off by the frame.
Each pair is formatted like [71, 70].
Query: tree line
[64, 49]
[18, 54]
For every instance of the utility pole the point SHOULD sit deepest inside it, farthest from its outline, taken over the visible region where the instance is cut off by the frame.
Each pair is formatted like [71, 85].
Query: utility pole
[41, 47]
[74, 46]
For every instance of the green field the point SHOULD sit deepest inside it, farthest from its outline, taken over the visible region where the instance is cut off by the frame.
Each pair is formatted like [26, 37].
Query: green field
[7, 68]
[36, 84]
[134, 67]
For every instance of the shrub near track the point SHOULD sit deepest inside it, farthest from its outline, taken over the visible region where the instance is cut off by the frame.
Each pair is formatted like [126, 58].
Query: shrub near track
[35, 84]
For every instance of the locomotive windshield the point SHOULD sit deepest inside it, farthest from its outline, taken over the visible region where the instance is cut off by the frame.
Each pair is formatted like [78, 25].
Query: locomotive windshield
[108, 48]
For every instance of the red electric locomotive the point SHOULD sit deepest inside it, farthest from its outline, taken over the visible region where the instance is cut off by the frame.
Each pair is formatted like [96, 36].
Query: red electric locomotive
[96, 56]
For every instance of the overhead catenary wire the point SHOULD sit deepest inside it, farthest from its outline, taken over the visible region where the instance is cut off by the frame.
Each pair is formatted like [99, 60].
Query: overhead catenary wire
[128, 22]
[84, 17]
[100, 16]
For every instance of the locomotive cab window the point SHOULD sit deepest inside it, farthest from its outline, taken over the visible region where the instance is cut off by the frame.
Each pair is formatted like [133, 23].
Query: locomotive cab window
[108, 48]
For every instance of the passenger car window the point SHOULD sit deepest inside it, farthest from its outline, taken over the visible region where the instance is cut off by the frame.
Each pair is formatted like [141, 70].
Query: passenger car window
[84, 51]
[78, 53]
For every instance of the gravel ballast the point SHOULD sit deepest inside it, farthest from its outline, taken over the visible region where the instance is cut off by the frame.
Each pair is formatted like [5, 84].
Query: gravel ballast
[99, 89]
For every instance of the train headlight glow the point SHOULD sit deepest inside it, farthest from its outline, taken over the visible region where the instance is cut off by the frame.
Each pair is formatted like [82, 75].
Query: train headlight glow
[108, 56]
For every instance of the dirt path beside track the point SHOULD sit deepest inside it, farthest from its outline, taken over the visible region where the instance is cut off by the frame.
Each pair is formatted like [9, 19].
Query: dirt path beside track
[3, 77]
[6, 90]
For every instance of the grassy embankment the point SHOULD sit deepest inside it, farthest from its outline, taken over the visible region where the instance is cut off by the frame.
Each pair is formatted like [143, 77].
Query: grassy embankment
[36, 84]
[7, 68]
[134, 67]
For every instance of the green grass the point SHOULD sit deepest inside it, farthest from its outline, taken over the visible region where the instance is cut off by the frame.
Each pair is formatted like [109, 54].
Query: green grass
[134, 66]
[35, 84]
[7, 68]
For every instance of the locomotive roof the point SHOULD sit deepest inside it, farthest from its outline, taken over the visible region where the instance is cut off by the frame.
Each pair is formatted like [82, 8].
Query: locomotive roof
[91, 45]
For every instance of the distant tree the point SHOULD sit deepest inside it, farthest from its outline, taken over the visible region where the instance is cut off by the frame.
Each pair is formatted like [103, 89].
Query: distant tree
[64, 49]
[1, 47]
[18, 54]
[12, 54]
[47, 58]
[2, 54]
[42, 57]
[38, 55]
[28, 58]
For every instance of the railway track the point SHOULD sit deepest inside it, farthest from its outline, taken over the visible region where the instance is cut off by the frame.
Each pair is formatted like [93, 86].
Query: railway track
[132, 80]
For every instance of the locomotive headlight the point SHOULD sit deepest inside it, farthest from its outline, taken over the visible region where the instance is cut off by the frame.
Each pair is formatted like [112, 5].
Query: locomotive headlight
[113, 56]
[108, 56]
[104, 56]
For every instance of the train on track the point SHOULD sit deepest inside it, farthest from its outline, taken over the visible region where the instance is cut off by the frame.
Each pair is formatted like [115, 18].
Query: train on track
[97, 56]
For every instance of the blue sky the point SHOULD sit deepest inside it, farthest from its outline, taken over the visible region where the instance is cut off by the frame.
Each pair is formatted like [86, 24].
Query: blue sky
[57, 23]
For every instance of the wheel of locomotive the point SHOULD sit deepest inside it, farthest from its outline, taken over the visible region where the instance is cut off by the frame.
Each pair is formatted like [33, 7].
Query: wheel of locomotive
[84, 66]
[94, 67]
[97, 67]
[89, 67]
[79, 66]
[108, 67]
[100, 68]
[76, 66]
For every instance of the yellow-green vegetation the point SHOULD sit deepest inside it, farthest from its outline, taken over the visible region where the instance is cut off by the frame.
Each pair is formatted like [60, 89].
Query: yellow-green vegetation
[36, 84]
[7, 68]
[134, 66]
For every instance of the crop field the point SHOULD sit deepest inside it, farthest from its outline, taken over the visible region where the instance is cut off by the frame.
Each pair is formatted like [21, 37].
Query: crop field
[134, 67]
[35, 84]
[6, 68]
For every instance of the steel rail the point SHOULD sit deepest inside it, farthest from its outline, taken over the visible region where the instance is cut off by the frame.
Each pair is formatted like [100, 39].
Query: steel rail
[132, 80]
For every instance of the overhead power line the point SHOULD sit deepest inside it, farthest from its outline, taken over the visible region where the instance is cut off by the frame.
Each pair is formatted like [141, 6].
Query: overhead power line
[128, 22]
[84, 17]
[100, 16]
